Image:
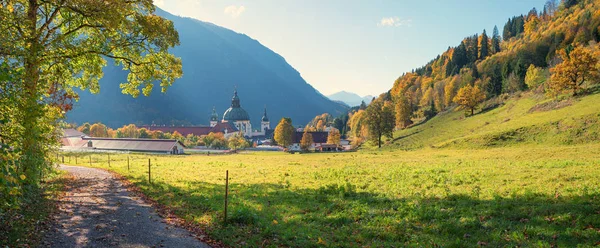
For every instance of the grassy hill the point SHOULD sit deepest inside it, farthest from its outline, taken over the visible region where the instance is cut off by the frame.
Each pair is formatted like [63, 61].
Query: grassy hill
[526, 119]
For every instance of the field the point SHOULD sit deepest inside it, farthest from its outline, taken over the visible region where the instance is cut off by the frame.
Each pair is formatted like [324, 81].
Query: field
[532, 196]
[522, 174]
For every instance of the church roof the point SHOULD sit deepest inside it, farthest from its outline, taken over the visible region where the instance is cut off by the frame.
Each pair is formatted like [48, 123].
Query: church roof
[235, 112]
[265, 118]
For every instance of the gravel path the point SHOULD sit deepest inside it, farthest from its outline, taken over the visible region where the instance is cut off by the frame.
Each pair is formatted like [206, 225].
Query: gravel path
[98, 211]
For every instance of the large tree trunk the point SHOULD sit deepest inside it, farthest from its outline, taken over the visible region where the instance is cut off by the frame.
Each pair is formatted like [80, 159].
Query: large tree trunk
[32, 158]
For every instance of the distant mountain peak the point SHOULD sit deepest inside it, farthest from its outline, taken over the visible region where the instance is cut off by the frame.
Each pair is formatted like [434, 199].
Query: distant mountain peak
[350, 98]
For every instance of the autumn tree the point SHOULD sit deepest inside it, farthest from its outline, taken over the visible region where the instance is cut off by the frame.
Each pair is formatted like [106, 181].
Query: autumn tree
[358, 127]
[144, 133]
[403, 112]
[577, 68]
[98, 130]
[178, 136]
[380, 120]
[60, 45]
[307, 141]
[469, 97]
[85, 128]
[535, 76]
[334, 137]
[284, 132]
[234, 142]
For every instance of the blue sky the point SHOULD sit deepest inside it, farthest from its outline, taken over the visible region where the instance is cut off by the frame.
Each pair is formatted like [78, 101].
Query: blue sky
[356, 46]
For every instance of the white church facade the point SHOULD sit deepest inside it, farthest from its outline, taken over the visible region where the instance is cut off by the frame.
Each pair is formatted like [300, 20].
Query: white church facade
[240, 119]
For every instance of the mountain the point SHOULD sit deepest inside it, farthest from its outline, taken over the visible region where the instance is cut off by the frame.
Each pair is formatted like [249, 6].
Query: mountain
[215, 61]
[352, 99]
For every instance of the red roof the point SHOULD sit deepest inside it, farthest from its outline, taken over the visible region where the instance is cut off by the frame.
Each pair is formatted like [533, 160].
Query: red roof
[198, 131]
[318, 137]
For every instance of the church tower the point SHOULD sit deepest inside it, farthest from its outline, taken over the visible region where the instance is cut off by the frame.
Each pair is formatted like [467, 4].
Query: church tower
[214, 118]
[264, 123]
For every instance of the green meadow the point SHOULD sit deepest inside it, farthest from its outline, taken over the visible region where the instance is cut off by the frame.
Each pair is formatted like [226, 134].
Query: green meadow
[531, 180]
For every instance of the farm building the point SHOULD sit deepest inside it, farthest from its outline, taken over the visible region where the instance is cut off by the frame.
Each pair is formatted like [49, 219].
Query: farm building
[76, 141]
[319, 139]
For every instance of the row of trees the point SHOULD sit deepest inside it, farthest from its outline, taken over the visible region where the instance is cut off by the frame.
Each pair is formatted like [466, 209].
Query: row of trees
[212, 140]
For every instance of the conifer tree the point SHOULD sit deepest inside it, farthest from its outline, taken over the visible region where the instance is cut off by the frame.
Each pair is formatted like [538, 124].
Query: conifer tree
[483, 45]
[495, 41]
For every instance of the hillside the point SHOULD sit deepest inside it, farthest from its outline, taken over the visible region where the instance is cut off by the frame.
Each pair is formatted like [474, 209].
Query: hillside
[215, 61]
[529, 120]
[350, 98]
[531, 44]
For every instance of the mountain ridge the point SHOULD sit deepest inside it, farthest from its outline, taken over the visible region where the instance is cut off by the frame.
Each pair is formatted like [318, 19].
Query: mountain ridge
[215, 61]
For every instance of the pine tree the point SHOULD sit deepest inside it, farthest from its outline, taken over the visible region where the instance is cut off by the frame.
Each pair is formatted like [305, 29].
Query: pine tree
[483, 46]
[495, 41]
[507, 34]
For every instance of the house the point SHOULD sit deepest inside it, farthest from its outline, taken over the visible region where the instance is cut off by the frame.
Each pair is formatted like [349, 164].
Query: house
[223, 127]
[73, 140]
[319, 139]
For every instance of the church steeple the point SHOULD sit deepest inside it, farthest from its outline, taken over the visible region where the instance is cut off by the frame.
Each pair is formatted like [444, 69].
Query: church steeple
[235, 100]
[264, 117]
[214, 118]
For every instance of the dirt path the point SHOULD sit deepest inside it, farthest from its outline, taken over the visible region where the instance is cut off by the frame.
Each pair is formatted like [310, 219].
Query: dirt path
[98, 211]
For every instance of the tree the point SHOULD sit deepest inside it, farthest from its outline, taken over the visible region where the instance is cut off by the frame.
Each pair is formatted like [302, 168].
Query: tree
[577, 68]
[531, 24]
[483, 45]
[98, 130]
[320, 125]
[535, 76]
[469, 97]
[358, 127]
[403, 111]
[284, 132]
[144, 133]
[380, 120]
[178, 136]
[59, 45]
[208, 139]
[495, 41]
[129, 131]
[307, 141]
[85, 128]
[191, 140]
[234, 142]
[334, 137]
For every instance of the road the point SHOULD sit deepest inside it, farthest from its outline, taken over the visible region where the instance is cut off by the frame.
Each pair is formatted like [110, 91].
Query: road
[98, 211]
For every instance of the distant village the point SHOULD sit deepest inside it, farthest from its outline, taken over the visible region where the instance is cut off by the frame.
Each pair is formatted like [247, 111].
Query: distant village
[227, 134]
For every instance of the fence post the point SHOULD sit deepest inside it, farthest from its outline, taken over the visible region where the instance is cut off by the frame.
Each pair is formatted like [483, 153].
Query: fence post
[75, 159]
[149, 173]
[90, 160]
[127, 163]
[63, 159]
[108, 159]
[226, 195]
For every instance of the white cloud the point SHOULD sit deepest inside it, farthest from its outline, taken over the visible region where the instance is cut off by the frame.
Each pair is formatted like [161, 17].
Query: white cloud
[159, 3]
[234, 11]
[394, 22]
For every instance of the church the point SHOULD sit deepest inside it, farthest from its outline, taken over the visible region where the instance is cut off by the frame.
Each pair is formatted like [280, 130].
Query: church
[236, 116]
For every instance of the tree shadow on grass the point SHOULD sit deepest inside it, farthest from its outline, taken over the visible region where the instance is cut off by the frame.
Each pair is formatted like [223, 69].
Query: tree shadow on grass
[339, 216]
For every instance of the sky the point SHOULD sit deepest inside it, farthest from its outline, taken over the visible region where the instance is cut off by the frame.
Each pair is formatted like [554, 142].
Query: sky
[358, 46]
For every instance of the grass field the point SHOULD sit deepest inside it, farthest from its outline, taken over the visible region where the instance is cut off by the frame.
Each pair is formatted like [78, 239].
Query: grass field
[523, 174]
[530, 196]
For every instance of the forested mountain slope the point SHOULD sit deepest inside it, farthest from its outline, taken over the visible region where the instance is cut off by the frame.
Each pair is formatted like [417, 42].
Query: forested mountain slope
[544, 60]
[215, 61]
